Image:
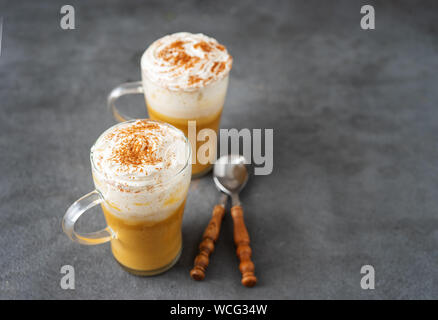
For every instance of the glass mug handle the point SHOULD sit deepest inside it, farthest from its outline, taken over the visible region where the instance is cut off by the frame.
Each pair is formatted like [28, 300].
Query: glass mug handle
[75, 211]
[122, 90]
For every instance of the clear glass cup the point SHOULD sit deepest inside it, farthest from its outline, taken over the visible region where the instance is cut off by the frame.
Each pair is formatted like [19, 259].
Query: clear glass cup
[206, 102]
[142, 244]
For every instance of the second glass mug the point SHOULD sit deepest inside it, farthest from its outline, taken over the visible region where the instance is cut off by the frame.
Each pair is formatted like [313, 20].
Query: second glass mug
[207, 102]
[144, 246]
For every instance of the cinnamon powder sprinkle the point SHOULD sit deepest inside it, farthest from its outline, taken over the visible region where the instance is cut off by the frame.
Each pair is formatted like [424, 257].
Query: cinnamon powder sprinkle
[176, 55]
[214, 66]
[194, 79]
[221, 67]
[220, 47]
[135, 147]
[204, 46]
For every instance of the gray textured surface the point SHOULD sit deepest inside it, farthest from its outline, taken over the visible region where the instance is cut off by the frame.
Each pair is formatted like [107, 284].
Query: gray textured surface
[355, 168]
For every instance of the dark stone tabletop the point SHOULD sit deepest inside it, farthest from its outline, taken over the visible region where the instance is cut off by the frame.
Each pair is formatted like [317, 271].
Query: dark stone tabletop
[355, 119]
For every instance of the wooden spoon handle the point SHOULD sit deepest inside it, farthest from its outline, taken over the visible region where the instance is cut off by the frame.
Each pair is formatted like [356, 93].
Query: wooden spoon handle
[243, 250]
[211, 234]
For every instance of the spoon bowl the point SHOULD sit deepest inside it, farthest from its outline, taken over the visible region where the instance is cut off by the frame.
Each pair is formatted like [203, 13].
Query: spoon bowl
[230, 174]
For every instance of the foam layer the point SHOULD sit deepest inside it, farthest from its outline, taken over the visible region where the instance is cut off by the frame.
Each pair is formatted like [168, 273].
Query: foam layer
[186, 61]
[204, 102]
[140, 167]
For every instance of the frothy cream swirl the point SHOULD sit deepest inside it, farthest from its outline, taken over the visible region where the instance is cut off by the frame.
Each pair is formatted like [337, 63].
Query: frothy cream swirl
[140, 149]
[186, 61]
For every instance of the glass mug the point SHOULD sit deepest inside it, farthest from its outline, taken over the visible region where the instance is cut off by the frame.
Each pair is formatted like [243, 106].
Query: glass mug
[145, 244]
[166, 105]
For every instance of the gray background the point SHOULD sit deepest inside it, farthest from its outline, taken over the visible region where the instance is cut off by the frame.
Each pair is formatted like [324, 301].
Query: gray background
[355, 145]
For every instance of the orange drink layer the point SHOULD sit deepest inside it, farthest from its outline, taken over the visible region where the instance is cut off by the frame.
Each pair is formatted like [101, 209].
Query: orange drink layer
[146, 245]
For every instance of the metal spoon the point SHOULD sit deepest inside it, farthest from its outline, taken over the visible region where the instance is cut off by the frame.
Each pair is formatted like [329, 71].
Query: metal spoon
[230, 176]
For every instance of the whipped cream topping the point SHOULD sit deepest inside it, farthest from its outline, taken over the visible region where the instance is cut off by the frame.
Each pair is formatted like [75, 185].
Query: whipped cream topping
[186, 61]
[142, 169]
[138, 150]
